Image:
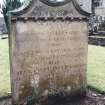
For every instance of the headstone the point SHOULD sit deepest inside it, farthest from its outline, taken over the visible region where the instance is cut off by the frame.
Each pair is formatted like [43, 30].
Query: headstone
[48, 51]
[100, 11]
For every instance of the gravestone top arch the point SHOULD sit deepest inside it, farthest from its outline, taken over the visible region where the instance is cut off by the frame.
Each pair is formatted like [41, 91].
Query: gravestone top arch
[51, 8]
[48, 45]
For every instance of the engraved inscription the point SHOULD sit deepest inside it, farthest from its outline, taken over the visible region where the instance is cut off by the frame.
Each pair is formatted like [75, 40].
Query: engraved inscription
[49, 57]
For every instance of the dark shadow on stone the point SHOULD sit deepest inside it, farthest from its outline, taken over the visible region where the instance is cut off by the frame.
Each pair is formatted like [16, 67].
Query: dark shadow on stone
[63, 99]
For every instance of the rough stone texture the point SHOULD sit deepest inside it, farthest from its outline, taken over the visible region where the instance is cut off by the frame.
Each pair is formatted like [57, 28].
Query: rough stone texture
[48, 58]
[40, 9]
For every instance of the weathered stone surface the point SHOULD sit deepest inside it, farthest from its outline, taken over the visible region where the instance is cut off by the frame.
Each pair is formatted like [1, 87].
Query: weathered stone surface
[48, 51]
[43, 8]
[47, 58]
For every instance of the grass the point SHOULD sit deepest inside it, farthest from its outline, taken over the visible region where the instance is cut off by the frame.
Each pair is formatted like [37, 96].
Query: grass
[4, 67]
[96, 67]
